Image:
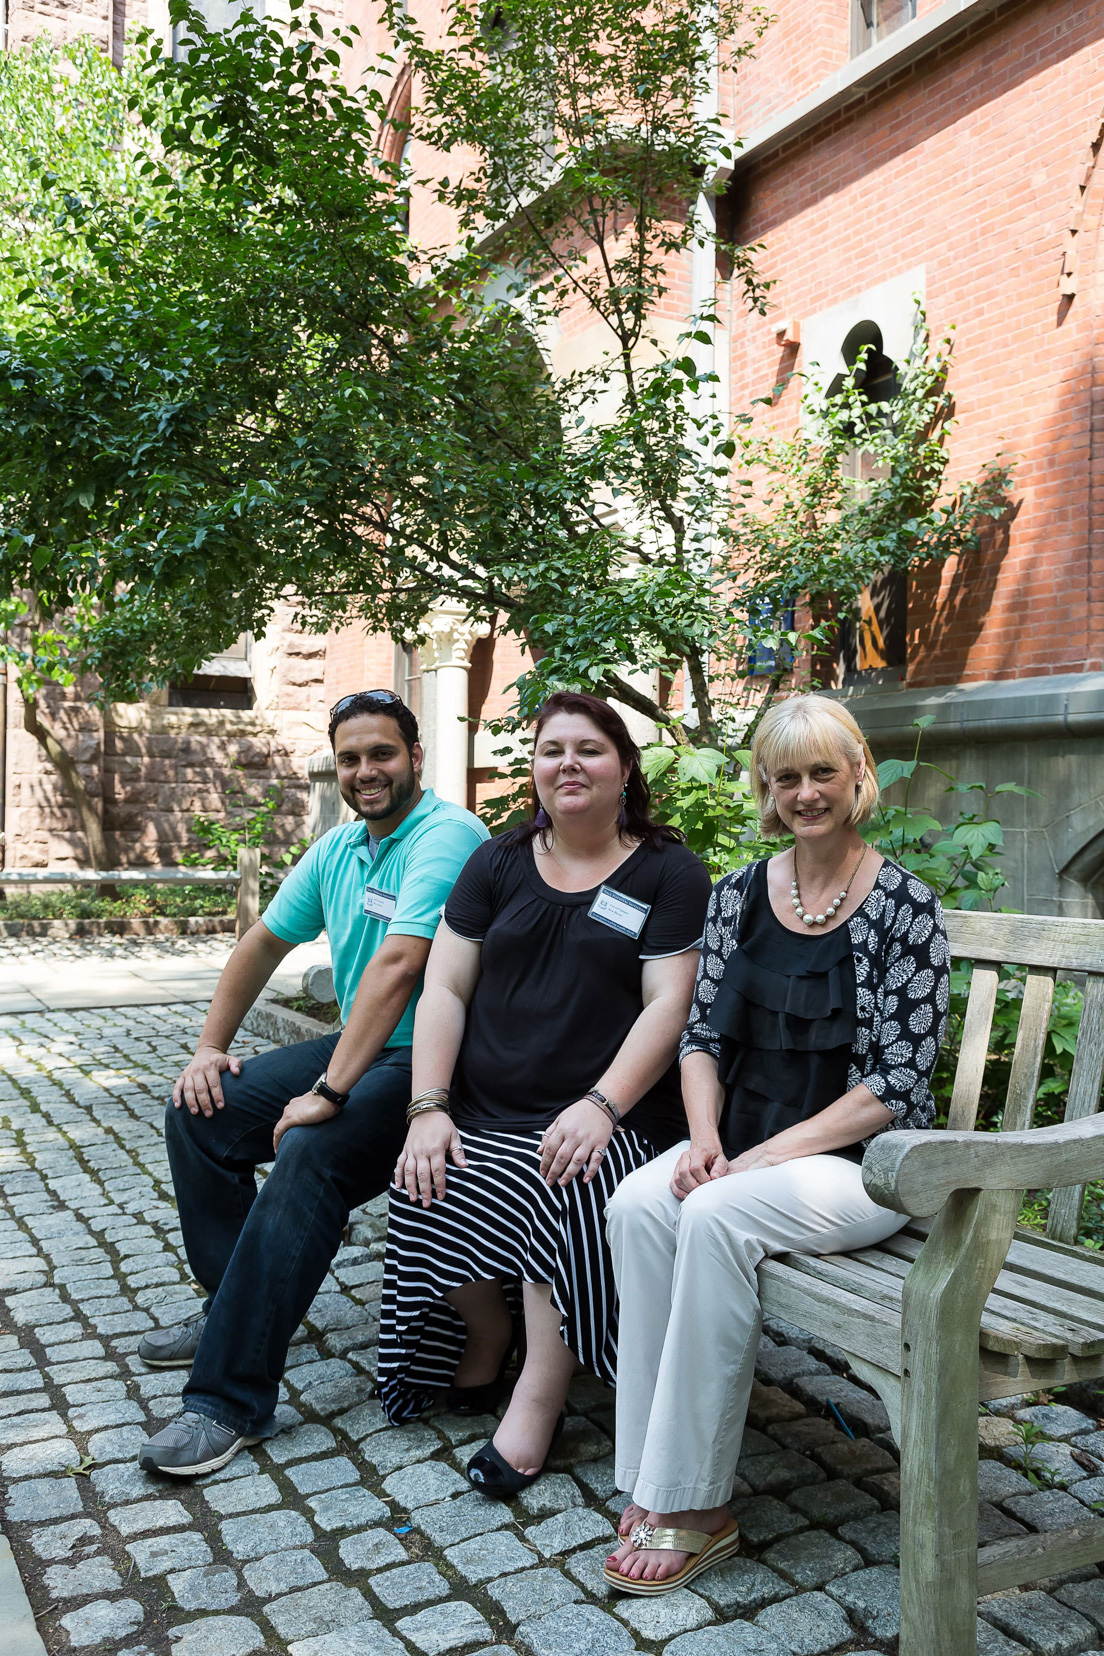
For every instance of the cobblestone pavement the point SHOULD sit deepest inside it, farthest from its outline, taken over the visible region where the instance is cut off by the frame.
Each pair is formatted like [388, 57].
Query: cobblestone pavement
[346, 1537]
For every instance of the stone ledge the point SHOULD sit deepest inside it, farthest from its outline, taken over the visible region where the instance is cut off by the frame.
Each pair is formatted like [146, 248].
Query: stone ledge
[158, 925]
[997, 710]
[282, 1025]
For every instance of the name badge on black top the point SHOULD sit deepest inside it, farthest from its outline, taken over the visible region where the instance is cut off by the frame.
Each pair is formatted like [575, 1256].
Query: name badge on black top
[379, 904]
[623, 914]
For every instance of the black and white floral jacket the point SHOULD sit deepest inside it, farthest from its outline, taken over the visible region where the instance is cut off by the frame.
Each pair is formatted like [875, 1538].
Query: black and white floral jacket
[902, 980]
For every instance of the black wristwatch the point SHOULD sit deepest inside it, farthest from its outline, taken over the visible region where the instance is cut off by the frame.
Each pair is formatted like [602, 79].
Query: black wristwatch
[324, 1090]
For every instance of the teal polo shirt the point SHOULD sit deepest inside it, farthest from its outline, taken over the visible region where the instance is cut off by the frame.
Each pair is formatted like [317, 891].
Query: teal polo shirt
[335, 886]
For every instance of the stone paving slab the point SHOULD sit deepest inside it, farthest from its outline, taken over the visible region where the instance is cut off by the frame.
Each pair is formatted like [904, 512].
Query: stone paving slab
[343, 1536]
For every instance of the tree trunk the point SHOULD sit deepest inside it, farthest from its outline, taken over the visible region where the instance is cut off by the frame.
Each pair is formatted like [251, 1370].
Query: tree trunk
[71, 780]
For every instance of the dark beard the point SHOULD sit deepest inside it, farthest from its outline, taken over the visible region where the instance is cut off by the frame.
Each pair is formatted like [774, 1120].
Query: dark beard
[402, 792]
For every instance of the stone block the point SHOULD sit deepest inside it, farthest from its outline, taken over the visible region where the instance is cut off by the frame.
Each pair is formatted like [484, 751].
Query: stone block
[365, 1638]
[336, 1396]
[801, 1435]
[31, 1460]
[208, 1587]
[678, 1611]
[217, 1636]
[886, 1488]
[144, 1516]
[265, 1532]
[998, 1482]
[995, 1525]
[575, 1630]
[779, 1473]
[444, 1627]
[121, 1444]
[1090, 1492]
[782, 1365]
[487, 1556]
[568, 1531]
[1087, 1598]
[877, 1538]
[833, 1503]
[90, 1577]
[241, 1495]
[1054, 1462]
[373, 1549]
[873, 1598]
[1040, 1622]
[740, 1586]
[534, 1593]
[552, 1493]
[812, 1558]
[763, 1519]
[457, 1428]
[59, 1540]
[103, 1621]
[1052, 1509]
[597, 1476]
[368, 1418]
[423, 1484]
[117, 1485]
[807, 1625]
[737, 1640]
[1057, 1420]
[158, 1554]
[39, 1499]
[857, 1458]
[281, 1572]
[411, 1584]
[447, 1522]
[340, 1509]
[400, 1446]
[580, 1441]
[320, 1609]
[770, 1404]
[315, 1476]
[992, 1642]
[300, 1443]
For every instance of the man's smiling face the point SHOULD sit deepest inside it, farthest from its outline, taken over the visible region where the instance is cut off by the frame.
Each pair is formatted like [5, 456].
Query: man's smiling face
[378, 778]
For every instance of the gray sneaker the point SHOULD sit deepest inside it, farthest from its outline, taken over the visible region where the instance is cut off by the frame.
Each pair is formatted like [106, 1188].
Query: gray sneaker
[173, 1347]
[191, 1445]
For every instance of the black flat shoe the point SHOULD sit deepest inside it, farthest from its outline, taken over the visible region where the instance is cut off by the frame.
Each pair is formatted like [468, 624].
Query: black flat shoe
[475, 1400]
[492, 1475]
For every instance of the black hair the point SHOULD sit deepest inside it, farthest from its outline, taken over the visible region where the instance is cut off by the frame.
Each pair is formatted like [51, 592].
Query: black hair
[639, 823]
[370, 701]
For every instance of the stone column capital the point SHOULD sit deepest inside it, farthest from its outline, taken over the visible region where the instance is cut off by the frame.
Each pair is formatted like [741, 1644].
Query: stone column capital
[449, 634]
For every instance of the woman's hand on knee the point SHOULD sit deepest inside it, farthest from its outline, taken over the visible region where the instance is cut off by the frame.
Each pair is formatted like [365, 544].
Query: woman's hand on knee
[698, 1166]
[420, 1169]
[575, 1143]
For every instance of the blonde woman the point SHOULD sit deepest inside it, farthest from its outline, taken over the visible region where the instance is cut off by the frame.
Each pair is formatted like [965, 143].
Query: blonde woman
[818, 1012]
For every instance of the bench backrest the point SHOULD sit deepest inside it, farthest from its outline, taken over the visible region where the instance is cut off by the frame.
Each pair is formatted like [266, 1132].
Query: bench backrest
[1046, 947]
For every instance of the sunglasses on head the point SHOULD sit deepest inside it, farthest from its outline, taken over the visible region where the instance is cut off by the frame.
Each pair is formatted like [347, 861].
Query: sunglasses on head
[386, 698]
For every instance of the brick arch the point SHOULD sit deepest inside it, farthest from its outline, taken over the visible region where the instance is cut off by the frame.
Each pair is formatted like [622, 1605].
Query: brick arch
[396, 123]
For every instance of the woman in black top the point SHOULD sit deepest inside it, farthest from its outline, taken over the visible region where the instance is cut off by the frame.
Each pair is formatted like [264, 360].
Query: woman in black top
[818, 1012]
[545, 1041]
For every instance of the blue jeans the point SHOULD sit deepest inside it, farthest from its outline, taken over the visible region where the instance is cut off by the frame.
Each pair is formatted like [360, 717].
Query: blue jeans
[262, 1256]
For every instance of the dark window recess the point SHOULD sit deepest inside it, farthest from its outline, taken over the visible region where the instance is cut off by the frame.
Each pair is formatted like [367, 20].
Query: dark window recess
[875, 640]
[213, 690]
[761, 658]
[873, 20]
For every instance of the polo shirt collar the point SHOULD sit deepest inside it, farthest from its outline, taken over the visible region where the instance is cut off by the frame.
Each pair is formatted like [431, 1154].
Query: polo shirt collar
[428, 802]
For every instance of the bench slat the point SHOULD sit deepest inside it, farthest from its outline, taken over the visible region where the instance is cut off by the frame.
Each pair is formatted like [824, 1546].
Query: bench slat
[974, 1049]
[1006, 1327]
[1027, 1059]
[1026, 940]
[1026, 1557]
[1053, 1292]
[1064, 1215]
[859, 1326]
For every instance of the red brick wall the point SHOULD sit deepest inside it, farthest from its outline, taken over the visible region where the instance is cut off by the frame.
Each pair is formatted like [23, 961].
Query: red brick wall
[965, 165]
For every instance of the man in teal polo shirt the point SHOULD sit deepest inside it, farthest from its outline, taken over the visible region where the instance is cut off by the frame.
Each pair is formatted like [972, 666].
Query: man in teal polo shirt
[332, 1110]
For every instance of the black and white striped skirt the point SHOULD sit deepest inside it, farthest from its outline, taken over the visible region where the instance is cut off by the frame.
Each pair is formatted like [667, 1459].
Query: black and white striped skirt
[498, 1220]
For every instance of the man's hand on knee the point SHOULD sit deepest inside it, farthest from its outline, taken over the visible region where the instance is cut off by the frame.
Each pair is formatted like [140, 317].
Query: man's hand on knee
[305, 1111]
[199, 1087]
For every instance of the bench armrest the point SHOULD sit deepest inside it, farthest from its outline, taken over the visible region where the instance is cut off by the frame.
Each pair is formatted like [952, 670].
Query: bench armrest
[915, 1173]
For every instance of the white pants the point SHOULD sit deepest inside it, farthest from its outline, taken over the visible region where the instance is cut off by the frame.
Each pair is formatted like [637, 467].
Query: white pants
[690, 1317]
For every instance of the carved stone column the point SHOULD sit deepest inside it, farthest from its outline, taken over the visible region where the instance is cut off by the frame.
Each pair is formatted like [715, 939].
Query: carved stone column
[449, 636]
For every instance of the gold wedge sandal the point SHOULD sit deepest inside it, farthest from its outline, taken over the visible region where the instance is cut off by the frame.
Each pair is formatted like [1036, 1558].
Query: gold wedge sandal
[705, 1551]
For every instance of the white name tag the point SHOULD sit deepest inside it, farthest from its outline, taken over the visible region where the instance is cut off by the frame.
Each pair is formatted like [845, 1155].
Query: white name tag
[379, 904]
[621, 913]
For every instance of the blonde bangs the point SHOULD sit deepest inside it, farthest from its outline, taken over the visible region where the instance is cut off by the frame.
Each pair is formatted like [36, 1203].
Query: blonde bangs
[795, 734]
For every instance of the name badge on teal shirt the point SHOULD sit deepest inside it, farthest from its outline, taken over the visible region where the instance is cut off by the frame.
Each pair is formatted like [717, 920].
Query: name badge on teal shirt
[623, 914]
[379, 904]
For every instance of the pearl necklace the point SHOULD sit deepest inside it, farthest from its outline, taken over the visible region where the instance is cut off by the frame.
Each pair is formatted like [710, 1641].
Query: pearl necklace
[830, 911]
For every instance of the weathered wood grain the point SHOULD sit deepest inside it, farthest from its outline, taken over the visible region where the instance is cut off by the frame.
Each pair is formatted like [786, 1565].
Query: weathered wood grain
[1029, 1557]
[1064, 1214]
[916, 1172]
[973, 1050]
[1027, 940]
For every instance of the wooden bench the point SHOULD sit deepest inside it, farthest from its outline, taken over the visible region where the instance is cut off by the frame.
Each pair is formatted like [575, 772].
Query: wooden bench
[962, 1305]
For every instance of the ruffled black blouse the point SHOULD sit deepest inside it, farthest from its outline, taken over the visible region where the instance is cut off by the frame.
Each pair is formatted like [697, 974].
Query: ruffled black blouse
[785, 1013]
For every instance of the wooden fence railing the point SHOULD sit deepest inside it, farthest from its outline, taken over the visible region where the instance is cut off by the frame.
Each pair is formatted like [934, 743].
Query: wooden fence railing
[246, 878]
